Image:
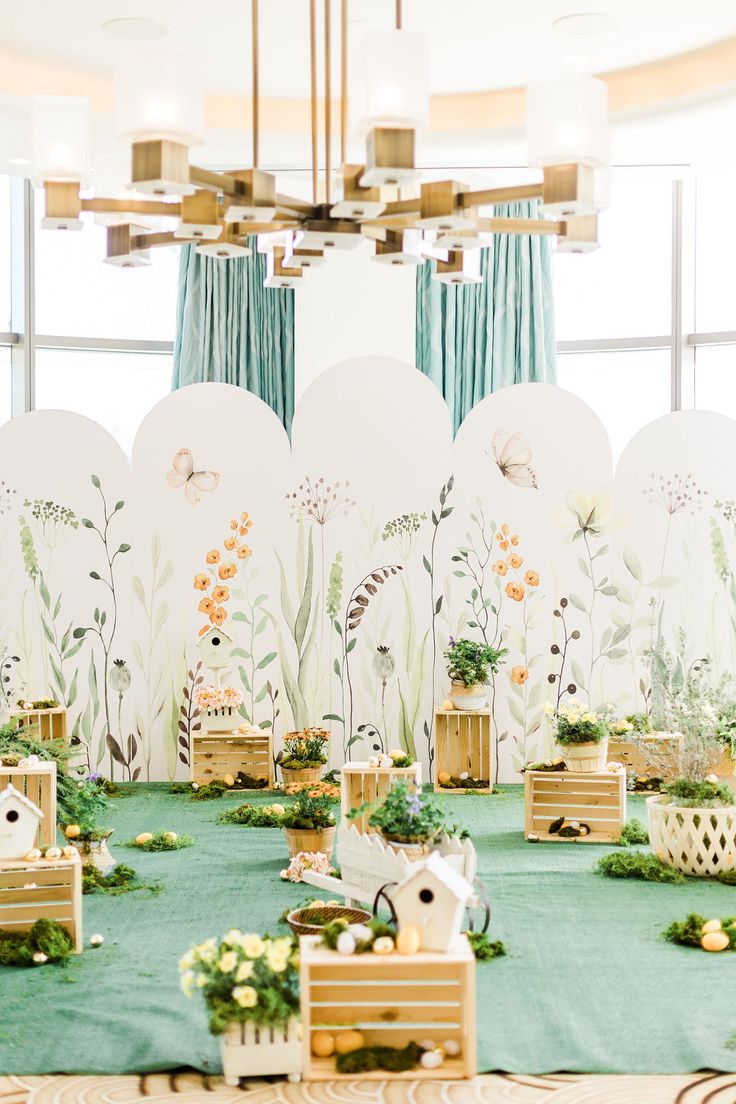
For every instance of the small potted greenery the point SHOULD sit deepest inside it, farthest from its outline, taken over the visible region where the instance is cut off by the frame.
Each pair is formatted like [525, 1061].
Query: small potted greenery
[304, 755]
[78, 819]
[407, 820]
[582, 736]
[469, 665]
[250, 984]
[309, 824]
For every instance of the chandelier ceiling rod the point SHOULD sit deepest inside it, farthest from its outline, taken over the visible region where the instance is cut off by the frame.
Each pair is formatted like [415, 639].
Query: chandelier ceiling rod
[254, 79]
[313, 96]
[328, 100]
[343, 81]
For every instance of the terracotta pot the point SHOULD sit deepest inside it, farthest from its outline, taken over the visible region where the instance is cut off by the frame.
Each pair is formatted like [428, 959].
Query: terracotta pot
[95, 852]
[468, 697]
[586, 758]
[309, 774]
[307, 839]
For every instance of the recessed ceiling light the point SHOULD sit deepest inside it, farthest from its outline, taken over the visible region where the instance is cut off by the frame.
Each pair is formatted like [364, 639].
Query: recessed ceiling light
[137, 30]
[585, 23]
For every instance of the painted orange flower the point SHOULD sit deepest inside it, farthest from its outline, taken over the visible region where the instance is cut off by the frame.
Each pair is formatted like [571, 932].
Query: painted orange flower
[204, 629]
[226, 571]
[213, 556]
[515, 540]
[206, 605]
[201, 581]
[504, 545]
[499, 567]
[531, 578]
[515, 591]
[519, 675]
[231, 543]
[505, 529]
[218, 615]
[244, 516]
[515, 560]
[243, 552]
[220, 594]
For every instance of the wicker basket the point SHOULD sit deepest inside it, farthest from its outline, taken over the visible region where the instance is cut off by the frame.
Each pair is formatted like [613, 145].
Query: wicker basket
[586, 758]
[309, 774]
[311, 920]
[698, 842]
[307, 839]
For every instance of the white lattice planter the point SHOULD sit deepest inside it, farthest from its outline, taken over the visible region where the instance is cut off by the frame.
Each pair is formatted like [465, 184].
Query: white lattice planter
[699, 842]
[250, 1051]
[585, 758]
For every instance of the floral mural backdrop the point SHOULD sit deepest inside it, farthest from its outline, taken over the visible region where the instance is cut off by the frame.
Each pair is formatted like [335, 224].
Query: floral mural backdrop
[341, 565]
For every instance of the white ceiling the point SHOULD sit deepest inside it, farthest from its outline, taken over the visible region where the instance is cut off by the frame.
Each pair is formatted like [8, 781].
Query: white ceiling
[475, 44]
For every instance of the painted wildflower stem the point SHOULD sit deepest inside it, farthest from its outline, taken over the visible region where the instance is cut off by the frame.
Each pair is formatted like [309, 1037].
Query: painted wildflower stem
[438, 516]
[189, 720]
[556, 650]
[100, 617]
[156, 616]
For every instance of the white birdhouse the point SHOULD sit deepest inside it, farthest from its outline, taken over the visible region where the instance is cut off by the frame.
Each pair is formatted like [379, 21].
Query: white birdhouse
[432, 898]
[19, 819]
[216, 647]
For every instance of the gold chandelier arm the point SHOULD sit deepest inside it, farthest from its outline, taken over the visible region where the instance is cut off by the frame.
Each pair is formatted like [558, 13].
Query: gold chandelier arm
[328, 99]
[520, 226]
[100, 205]
[500, 195]
[313, 95]
[343, 81]
[152, 241]
[402, 207]
[299, 207]
[213, 181]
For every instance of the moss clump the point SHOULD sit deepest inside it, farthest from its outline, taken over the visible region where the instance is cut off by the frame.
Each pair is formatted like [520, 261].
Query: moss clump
[647, 868]
[647, 783]
[45, 937]
[162, 842]
[332, 931]
[728, 877]
[689, 931]
[633, 832]
[470, 784]
[121, 879]
[484, 948]
[547, 765]
[251, 816]
[209, 791]
[701, 795]
[393, 1059]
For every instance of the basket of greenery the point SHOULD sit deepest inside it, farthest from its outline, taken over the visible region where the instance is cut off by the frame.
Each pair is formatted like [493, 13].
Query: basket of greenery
[309, 824]
[469, 665]
[78, 819]
[250, 985]
[304, 755]
[312, 919]
[582, 735]
[407, 820]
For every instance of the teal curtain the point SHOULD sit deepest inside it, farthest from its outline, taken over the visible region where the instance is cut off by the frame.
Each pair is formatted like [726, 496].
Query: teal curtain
[475, 338]
[230, 329]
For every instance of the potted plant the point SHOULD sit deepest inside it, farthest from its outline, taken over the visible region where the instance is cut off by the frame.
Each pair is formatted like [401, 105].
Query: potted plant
[78, 819]
[250, 985]
[582, 736]
[309, 824]
[469, 664]
[303, 755]
[219, 705]
[407, 820]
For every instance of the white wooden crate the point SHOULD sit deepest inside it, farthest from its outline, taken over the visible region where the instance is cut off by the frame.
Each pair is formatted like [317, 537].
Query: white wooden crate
[250, 1051]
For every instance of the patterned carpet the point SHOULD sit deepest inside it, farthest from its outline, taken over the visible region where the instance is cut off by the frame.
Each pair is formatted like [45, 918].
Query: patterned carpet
[703, 1088]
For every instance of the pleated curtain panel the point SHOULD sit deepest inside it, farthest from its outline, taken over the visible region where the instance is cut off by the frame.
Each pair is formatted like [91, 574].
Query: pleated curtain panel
[476, 338]
[230, 329]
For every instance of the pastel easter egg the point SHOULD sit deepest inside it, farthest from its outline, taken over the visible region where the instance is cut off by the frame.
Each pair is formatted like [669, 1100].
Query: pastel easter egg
[345, 943]
[715, 941]
[348, 1041]
[384, 945]
[431, 1059]
[323, 1044]
[710, 926]
[144, 837]
[409, 940]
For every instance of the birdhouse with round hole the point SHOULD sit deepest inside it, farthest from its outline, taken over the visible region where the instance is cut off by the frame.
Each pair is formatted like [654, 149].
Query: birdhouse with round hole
[432, 898]
[19, 819]
[215, 648]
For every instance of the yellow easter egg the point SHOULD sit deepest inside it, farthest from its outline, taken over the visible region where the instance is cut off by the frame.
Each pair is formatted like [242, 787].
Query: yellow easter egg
[171, 836]
[710, 926]
[72, 831]
[715, 941]
[33, 855]
[52, 853]
[323, 1044]
[444, 777]
[396, 753]
[228, 780]
[144, 837]
[347, 1041]
[278, 810]
[447, 705]
[408, 940]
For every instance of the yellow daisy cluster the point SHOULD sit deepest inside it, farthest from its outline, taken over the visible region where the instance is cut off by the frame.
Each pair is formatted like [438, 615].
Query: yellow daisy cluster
[212, 582]
[236, 956]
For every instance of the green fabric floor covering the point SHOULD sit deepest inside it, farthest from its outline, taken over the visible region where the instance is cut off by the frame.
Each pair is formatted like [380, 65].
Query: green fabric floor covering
[588, 984]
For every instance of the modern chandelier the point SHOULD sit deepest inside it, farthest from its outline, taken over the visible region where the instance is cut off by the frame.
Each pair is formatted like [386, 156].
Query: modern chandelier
[159, 110]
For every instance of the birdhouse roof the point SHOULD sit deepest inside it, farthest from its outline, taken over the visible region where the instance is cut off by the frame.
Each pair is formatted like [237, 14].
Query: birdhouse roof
[215, 631]
[10, 792]
[434, 864]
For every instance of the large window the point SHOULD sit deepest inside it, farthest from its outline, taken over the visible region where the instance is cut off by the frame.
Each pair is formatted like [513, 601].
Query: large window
[6, 394]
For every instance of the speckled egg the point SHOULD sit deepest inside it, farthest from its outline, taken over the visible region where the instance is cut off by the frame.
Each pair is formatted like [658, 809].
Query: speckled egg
[409, 940]
[384, 945]
[347, 1041]
[33, 855]
[323, 1044]
[144, 837]
[39, 958]
[52, 853]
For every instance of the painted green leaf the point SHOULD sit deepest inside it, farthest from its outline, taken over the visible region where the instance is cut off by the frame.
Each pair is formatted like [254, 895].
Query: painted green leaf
[578, 603]
[305, 606]
[266, 660]
[633, 564]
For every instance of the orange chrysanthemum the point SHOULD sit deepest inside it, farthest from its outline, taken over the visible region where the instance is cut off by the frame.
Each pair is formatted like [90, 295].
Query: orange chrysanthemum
[213, 556]
[499, 567]
[226, 571]
[531, 578]
[201, 581]
[206, 605]
[515, 591]
[218, 615]
[514, 560]
[243, 552]
[519, 675]
[220, 594]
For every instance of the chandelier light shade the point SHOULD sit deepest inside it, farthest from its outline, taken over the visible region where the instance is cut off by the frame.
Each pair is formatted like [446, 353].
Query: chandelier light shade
[392, 83]
[567, 122]
[60, 138]
[159, 95]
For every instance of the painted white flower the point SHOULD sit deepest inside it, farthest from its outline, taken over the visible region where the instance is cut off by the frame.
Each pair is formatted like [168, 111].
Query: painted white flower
[244, 971]
[245, 995]
[186, 961]
[228, 962]
[253, 946]
[200, 981]
[187, 983]
[590, 514]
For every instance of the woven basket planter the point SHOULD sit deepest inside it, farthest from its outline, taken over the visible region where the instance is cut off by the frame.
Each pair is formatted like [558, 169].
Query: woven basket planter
[250, 1051]
[307, 839]
[698, 842]
[585, 758]
[309, 775]
[468, 697]
[311, 921]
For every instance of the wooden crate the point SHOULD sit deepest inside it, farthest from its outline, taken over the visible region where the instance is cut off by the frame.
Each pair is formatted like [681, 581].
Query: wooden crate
[49, 724]
[48, 889]
[463, 742]
[361, 783]
[39, 786]
[598, 799]
[216, 754]
[635, 754]
[392, 1000]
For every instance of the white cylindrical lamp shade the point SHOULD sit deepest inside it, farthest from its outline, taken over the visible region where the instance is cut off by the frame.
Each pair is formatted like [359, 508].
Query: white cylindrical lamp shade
[159, 95]
[391, 84]
[567, 122]
[60, 138]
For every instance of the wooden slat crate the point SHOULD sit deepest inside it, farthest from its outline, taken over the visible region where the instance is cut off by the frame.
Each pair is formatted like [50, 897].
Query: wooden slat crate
[361, 783]
[48, 889]
[392, 1000]
[597, 799]
[463, 743]
[216, 754]
[49, 724]
[39, 786]
[654, 754]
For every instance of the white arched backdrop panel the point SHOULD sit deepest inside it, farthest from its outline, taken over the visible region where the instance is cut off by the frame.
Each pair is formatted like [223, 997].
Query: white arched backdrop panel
[341, 566]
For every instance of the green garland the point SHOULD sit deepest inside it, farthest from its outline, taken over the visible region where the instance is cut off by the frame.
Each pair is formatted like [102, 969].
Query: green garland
[393, 1059]
[45, 937]
[633, 832]
[121, 879]
[637, 864]
[161, 842]
[484, 948]
[689, 931]
[472, 785]
[252, 816]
